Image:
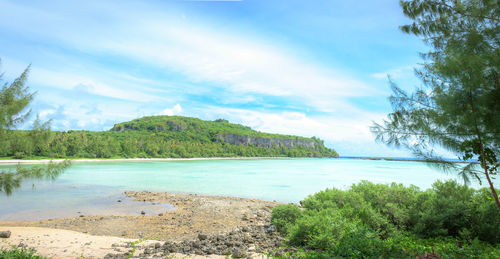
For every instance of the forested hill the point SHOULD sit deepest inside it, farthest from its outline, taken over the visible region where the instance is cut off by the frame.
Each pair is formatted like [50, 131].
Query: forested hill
[162, 136]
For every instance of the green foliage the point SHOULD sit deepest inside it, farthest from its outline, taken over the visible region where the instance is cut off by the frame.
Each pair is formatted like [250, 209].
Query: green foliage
[285, 215]
[458, 107]
[14, 99]
[156, 137]
[10, 180]
[446, 210]
[330, 229]
[18, 253]
[393, 221]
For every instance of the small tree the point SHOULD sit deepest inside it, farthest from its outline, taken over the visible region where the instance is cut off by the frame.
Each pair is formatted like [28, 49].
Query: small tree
[458, 108]
[14, 99]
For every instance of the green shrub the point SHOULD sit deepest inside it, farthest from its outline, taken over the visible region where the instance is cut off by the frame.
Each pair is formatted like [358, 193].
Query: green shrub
[353, 206]
[330, 230]
[19, 155]
[392, 201]
[443, 211]
[451, 209]
[284, 215]
[485, 222]
[393, 221]
[18, 253]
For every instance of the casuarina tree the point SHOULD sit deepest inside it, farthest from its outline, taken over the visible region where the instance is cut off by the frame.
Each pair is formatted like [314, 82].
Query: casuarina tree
[458, 106]
[14, 100]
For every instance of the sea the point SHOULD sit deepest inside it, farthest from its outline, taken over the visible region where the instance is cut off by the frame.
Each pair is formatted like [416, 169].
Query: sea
[95, 188]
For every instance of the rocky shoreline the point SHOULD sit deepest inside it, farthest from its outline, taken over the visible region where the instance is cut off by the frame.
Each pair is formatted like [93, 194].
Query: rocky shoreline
[200, 225]
[254, 241]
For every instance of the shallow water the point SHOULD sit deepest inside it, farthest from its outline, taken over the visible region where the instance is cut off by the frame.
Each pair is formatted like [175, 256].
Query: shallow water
[94, 187]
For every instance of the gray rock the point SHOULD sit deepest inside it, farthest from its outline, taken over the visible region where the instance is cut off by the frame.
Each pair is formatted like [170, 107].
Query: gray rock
[271, 229]
[202, 236]
[5, 234]
[196, 244]
[239, 252]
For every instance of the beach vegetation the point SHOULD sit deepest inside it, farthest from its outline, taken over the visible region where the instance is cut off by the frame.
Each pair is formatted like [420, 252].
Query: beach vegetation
[458, 107]
[15, 252]
[392, 221]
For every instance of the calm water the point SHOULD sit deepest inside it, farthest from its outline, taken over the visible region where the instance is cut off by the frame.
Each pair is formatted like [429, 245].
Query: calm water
[90, 188]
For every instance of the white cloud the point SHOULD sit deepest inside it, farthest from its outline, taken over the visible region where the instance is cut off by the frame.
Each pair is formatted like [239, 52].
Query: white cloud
[44, 113]
[395, 73]
[242, 65]
[90, 84]
[172, 111]
[349, 134]
[229, 59]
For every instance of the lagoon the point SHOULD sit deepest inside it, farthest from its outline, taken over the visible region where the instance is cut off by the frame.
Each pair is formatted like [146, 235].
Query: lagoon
[95, 186]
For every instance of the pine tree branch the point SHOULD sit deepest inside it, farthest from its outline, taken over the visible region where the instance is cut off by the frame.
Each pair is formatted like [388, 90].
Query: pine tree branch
[452, 8]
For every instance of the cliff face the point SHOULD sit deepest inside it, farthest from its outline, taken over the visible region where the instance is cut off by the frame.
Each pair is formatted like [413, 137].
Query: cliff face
[267, 142]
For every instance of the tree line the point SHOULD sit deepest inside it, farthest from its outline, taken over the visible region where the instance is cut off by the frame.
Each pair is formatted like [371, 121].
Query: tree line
[43, 143]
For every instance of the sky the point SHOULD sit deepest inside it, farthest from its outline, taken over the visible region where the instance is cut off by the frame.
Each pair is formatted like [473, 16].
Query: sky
[309, 68]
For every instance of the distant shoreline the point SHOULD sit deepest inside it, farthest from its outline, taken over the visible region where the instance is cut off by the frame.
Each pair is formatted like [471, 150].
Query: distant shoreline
[400, 159]
[44, 161]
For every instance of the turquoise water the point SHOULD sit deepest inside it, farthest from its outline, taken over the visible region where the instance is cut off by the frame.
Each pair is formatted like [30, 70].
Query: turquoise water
[94, 184]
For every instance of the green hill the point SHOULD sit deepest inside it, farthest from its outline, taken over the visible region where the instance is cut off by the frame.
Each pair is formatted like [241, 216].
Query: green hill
[164, 136]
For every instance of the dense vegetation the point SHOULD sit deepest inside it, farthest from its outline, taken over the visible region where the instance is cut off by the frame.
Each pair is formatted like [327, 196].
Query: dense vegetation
[393, 221]
[156, 137]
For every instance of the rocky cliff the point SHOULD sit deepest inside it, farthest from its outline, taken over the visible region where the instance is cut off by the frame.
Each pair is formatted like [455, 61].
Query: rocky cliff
[268, 142]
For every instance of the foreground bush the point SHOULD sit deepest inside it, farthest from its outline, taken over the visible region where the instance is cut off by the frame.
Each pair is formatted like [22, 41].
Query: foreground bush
[377, 220]
[18, 253]
[285, 215]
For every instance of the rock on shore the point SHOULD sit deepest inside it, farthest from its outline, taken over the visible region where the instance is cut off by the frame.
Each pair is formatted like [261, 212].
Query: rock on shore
[241, 242]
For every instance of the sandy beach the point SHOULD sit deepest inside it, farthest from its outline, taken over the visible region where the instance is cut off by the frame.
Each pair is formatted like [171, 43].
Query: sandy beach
[206, 226]
[44, 161]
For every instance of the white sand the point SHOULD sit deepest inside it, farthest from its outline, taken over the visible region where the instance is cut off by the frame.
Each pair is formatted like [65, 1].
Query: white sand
[63, 244]
[44, 161]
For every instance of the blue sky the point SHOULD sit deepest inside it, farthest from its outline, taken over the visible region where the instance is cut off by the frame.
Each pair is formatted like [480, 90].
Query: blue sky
[309, 68]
